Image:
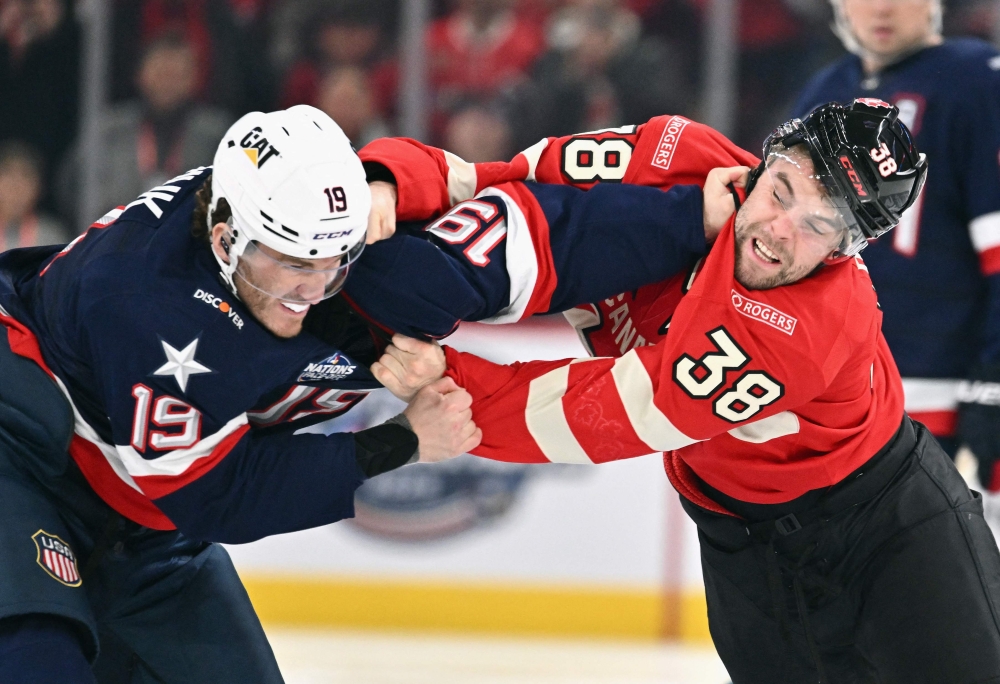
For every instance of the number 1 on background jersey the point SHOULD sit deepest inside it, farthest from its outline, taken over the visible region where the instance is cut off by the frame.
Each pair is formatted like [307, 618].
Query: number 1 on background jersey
[906, 235]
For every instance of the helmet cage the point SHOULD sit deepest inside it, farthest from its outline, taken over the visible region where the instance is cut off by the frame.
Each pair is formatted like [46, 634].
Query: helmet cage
[867, 160]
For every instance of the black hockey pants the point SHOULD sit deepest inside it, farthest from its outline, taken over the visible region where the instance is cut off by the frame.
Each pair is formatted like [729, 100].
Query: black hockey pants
[891, 576]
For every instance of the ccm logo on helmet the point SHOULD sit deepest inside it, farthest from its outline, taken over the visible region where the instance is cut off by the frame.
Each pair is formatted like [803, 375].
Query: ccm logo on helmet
[257, 148]
[332, 236]
[853, 176]
[221, 305]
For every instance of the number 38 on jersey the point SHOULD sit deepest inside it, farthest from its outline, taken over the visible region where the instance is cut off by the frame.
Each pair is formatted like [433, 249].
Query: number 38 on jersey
[744, 397]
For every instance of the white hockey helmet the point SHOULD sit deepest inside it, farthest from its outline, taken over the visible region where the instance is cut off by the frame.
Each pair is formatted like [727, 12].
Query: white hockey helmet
[294, 184]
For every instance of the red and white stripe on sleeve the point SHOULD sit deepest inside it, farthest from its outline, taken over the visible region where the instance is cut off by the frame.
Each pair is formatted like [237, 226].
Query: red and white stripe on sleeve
[430, 180]
[570, 411]
[985, 233]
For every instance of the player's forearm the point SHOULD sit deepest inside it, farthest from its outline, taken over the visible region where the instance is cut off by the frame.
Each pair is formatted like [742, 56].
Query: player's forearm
[280, 482]
[431, 180]
[615, 238]
[566, 411]
[420, 173]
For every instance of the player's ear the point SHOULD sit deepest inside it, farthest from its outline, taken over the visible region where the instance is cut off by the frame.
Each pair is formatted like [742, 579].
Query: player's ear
[219, 240]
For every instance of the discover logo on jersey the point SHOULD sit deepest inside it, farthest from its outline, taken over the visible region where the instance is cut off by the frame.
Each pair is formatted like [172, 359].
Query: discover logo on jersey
[336, 367]
[221, 305]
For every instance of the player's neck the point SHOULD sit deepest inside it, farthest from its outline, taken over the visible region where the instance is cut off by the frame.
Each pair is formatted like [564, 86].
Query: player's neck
[873, 63]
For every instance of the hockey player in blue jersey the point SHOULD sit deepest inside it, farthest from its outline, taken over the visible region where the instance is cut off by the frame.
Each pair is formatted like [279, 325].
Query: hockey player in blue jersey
[152, 376]
[938, 278]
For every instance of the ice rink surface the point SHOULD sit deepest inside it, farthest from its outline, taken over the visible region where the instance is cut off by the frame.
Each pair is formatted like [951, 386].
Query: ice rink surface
[340, 657]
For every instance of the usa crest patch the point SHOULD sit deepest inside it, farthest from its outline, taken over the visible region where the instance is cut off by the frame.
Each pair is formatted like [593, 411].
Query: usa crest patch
[56, 558]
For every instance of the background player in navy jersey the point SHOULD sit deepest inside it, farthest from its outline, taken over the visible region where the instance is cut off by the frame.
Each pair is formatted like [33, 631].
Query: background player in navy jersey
[938, 275]
[153, 374]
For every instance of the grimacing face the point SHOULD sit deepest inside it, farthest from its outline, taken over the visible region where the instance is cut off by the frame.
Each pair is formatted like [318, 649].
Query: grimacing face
[889, 28]
[786, 227]
[300, 287]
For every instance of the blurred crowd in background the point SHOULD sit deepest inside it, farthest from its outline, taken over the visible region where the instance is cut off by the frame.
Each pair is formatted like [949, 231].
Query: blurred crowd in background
[503, 74]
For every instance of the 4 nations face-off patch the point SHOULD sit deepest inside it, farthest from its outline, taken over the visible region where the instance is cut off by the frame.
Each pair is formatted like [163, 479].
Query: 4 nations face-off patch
[56, 558]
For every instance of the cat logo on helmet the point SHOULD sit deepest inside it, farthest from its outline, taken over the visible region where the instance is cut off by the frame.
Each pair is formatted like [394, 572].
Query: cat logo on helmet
[257, 148]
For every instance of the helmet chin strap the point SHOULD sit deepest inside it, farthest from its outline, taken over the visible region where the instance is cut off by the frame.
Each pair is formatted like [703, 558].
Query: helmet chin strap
[752, 178]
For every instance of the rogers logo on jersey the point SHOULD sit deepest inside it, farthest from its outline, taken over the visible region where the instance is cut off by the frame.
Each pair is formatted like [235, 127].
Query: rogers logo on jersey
[221, 305]
[764, 313]
[668, 142]
[336, 367]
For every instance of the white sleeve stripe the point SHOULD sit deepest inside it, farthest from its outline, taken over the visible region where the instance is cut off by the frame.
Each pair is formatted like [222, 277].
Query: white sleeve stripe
[985, 231]
[930, 394]
[636, 391]
[461, 178]
[522, 260]
[533, 154]
[546, 418]
[176, 462]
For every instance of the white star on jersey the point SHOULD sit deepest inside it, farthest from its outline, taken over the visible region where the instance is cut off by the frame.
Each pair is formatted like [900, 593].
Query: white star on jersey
[181, 364]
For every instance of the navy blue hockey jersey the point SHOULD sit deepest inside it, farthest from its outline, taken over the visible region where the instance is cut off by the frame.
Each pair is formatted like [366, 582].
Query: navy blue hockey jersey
[185, 407]
[938, 273]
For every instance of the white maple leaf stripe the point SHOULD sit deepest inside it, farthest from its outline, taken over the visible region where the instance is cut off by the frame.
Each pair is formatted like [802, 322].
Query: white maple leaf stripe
[635, 388]
[546, 420]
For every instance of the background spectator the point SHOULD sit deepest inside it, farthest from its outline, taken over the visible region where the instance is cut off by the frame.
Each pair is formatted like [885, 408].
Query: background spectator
[781, 42]
[21, 222]
[39, 78]
[478, 134]
[344, 33]
[481, 49]
[600, 71]
[163, 133]
[345, 94]
[230, 49]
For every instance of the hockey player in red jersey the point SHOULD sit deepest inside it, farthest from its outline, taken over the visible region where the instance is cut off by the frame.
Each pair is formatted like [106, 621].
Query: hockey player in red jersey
[839, 544]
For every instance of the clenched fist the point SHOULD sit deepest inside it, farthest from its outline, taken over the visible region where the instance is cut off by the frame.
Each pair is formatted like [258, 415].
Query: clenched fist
[408, 365]
[717, 199]
[441, 415]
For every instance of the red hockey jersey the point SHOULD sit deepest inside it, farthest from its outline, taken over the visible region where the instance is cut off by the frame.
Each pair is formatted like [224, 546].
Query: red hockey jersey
[764, 395]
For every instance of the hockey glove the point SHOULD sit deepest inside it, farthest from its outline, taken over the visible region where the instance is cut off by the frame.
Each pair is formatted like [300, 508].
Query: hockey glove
[979, 422]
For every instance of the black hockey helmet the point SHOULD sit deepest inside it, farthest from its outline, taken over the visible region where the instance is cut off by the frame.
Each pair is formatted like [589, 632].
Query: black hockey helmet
[865, 158]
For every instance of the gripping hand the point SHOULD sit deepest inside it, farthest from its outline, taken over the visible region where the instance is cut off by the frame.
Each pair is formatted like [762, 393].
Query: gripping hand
[408, 365]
